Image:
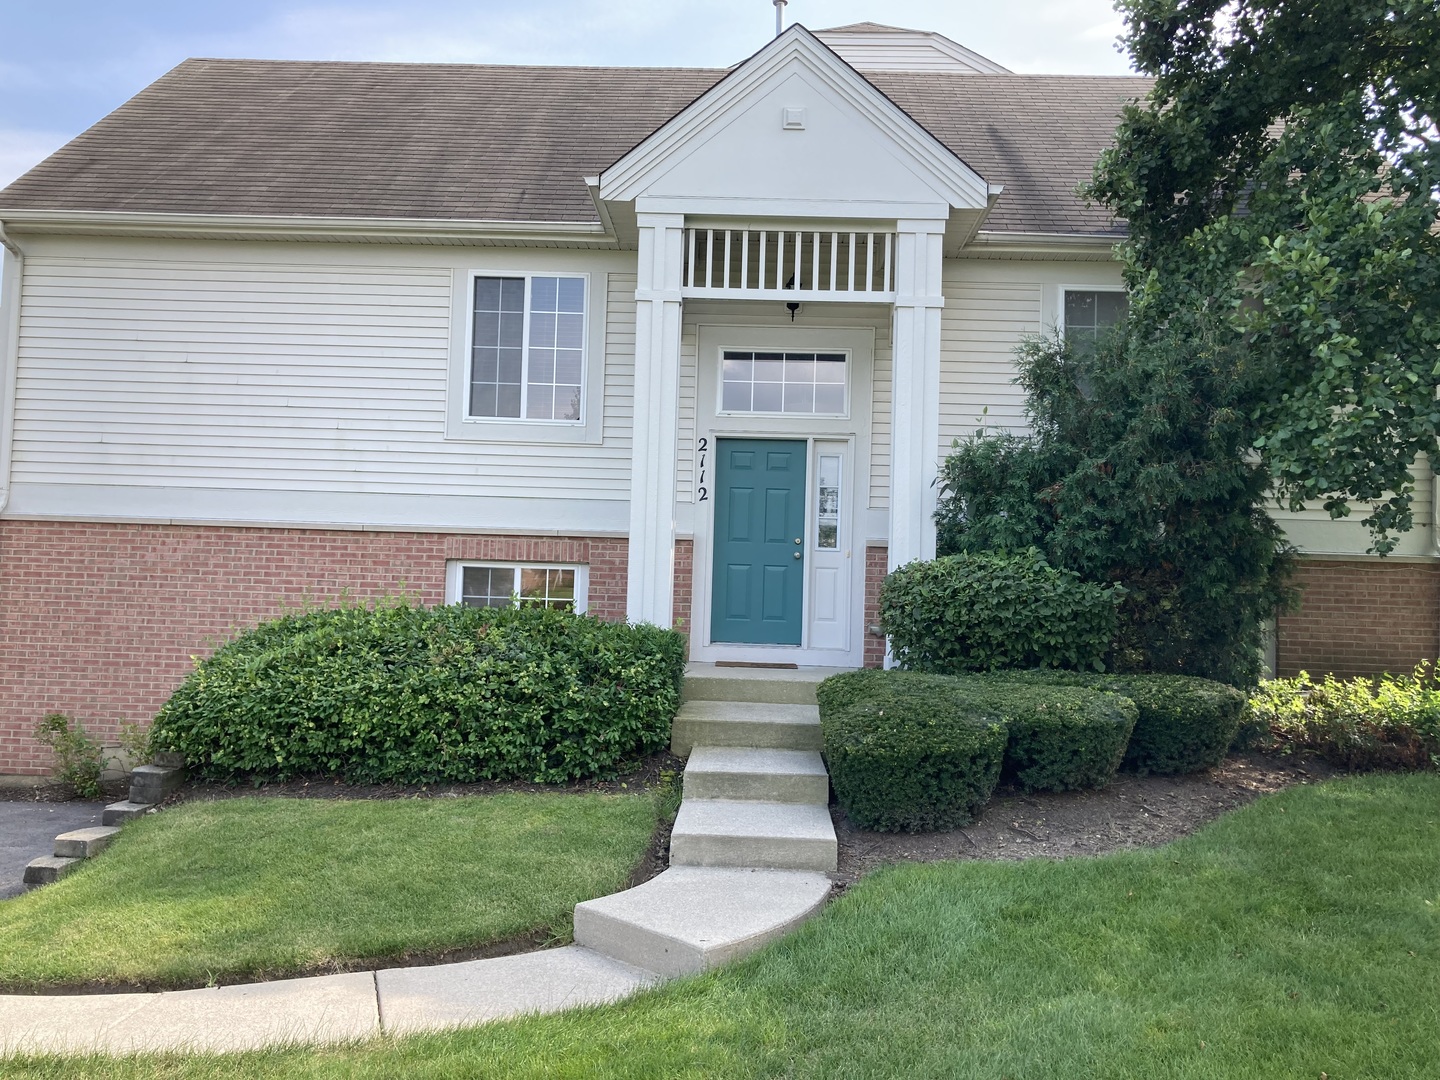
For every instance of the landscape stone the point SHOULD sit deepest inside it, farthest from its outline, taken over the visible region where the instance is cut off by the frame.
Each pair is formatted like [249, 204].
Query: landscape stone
[84, 843]
[48, 869]
[151, 783]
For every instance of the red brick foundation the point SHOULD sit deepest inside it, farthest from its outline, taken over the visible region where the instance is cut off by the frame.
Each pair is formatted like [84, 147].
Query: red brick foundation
[876, 559]
[684, 586]
[1361, 617]
[100, 621]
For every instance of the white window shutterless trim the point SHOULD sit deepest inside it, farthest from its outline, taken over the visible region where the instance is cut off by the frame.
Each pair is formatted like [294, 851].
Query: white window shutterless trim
[460, 425]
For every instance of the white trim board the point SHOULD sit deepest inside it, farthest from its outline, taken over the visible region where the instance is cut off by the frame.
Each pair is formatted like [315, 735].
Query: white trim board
[299, 509]
[859, 344]
[796, 58]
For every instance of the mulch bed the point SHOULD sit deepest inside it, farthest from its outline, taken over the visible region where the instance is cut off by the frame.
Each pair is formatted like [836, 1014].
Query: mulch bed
[1134, 811]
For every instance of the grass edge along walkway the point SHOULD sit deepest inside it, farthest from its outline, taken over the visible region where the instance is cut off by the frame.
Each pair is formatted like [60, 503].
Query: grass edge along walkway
[263, 887]
[1297, 936]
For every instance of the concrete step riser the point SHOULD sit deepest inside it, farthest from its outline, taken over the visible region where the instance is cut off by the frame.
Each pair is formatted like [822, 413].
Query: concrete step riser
[121, 812]
[151, 783]
[689, 732]
[762, 788]
[48, 869]
[778, 692]
[766, 853]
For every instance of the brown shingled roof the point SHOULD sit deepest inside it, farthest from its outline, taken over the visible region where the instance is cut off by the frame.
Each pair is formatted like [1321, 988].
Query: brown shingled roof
[497, 143]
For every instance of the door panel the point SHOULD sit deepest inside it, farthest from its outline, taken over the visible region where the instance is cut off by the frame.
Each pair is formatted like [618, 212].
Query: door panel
[758, 581]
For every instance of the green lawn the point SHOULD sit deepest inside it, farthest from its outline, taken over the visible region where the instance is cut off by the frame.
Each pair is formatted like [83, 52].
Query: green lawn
[263, 886]
[1296, 937]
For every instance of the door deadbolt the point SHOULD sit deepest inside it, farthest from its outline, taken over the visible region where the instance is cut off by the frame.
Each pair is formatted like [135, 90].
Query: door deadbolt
[798, 540]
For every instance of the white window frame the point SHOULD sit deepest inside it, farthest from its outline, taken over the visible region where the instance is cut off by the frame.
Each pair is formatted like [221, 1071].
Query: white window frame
[720, 385]
[455, 570]
[461, 426]
[1065, 290]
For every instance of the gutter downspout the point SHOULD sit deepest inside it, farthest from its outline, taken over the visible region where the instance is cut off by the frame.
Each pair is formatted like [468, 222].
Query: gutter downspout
[12, 271]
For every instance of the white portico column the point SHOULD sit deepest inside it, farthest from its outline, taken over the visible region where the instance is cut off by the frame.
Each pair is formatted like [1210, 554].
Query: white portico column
[651, 578]
[915, 393]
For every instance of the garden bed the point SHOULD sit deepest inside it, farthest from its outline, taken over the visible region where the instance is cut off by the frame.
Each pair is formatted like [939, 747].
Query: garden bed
[1133, 811]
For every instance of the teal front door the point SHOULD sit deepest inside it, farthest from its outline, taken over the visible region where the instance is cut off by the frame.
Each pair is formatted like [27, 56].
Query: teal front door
[759, 581]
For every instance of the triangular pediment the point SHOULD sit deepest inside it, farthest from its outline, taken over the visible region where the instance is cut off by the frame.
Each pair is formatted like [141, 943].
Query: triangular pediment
[796, 126]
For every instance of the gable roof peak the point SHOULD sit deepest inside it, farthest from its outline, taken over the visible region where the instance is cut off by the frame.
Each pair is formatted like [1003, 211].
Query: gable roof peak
[868, 28]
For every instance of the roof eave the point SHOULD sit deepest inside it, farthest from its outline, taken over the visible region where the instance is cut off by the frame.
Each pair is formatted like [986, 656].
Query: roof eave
[292, 226]
[995, 243]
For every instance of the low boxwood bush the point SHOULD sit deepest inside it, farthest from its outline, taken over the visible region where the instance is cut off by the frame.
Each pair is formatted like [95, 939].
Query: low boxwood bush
[1061, 738]
[910, 757]
[1183, 723]
[1392, 722]
[983, 611]
[401, 694]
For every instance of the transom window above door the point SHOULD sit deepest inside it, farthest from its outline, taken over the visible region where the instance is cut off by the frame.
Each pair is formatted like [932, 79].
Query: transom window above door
[527, 348]
[789, 383]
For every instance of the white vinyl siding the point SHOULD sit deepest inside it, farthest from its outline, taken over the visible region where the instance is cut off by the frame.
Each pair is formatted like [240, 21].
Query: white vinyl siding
[981, 326]
[277, 376]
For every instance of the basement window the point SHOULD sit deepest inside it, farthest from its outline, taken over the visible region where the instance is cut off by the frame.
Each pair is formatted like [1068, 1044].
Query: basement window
[489, 584]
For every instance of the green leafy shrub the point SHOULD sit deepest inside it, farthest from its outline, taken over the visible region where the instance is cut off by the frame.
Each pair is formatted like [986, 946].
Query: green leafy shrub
[1385, 723]
[1060, 737]
[408, 694]
[981, 611]
[910, 756]
[79, 759]
[1184, 724]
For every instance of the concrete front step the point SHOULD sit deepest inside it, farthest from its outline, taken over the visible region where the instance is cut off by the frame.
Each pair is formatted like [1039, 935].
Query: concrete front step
[48, 869]
[780, 686]
[121, 812]
[774, 836]
[84, 843]
[780, 776]
[690, 919]
[757, 725]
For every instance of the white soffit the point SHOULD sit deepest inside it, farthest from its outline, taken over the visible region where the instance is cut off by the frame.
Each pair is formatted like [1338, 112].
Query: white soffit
[848, 144]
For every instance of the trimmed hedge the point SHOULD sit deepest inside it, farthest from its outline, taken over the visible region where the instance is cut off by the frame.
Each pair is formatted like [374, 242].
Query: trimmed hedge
[1184, 724]
[400, 694]
[984, 611]
[1060, 738]
[910, 757]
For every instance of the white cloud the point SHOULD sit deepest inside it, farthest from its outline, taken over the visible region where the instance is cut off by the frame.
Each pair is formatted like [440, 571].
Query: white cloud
[22, 150]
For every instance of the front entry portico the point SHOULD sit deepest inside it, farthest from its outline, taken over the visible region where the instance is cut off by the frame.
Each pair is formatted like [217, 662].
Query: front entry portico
[792, 183]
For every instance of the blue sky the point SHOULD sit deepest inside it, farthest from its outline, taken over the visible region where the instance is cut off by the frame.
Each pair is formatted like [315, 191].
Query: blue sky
[65, 65]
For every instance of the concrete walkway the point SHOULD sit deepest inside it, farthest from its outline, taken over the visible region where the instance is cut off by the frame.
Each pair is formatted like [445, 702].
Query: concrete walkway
[28, 830]
[329, 1008]
[749, 854]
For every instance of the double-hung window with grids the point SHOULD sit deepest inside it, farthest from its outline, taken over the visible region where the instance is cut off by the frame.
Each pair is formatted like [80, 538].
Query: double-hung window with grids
[1090, 312]
[527, 347]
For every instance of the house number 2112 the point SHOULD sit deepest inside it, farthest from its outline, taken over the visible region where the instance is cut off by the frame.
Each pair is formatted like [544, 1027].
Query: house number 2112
[701, 492]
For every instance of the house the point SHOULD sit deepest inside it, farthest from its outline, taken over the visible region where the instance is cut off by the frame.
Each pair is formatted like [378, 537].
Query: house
[681, 346]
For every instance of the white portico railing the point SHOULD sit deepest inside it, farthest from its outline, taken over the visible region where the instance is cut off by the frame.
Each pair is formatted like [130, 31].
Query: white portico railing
[789, 264]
